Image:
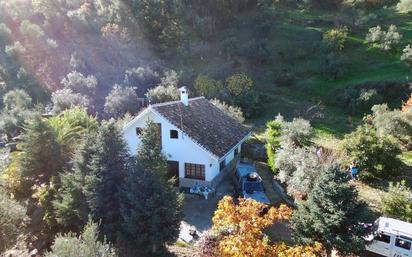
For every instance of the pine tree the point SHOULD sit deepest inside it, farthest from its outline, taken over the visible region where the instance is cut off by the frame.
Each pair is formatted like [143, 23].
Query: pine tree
[330, 215]
[150, 156]
[70, 204]
[151, 210]
[108, 168]
[42, 156]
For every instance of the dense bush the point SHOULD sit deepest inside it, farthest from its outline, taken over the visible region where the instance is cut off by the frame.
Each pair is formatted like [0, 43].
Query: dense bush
[64, 99]
[398, 202]
[361, 97]
[16, 110]
[121, 100]
[333, 67]
[394, 123]
[166, 90]
[335, 38]
[297, 132]
[298, 168]
[273, 133]
[85, 245]
[233, 111]
[12, 217]
[237, 90]
[407, 54]
[385, 40]
[376, 155]
[207, 86]
[162, 94]
[80, 84]
[142, 78]
[404, 6]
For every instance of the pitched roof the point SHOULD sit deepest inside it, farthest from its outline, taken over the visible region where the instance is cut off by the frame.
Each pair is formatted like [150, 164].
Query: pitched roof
[210, 127]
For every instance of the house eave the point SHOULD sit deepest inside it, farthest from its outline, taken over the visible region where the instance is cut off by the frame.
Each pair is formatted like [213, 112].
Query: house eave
[234, 147]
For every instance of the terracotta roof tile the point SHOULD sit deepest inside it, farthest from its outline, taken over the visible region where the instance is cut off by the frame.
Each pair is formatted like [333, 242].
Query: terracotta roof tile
[205, 123]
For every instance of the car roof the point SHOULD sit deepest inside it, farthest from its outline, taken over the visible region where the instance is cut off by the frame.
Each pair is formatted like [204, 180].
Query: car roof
[394, 226]
[243, 169]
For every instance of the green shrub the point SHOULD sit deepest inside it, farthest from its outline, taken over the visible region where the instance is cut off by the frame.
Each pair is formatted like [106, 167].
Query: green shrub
[381, 39]
[333, 66]
[273, 133]
[376, 155]
[121, 100]
[12, 216]
[297, 132]
[395, 123]
[86, 245]
[404, 6]
[335, 38]
[360, 98]
[398, 202]
[299, 168]
[233, 111]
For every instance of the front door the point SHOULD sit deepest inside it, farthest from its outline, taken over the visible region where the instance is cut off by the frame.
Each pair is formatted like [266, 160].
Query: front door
[173, 171]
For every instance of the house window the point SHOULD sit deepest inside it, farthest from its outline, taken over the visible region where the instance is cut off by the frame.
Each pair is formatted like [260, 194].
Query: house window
[195, 171]
[236, 151]
[222, 164]
[139, 131]
[174, 133]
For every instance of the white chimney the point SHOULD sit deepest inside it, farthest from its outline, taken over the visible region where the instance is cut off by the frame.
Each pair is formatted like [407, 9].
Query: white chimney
[184, 96]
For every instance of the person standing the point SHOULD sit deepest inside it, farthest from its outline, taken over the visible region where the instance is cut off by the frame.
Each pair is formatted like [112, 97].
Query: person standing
[354, 170]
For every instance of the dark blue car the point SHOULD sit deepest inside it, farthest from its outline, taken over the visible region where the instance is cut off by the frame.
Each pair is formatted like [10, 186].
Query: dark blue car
[248, 183]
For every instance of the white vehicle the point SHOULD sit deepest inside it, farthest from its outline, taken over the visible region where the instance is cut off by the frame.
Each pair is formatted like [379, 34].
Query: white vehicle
[393, 238]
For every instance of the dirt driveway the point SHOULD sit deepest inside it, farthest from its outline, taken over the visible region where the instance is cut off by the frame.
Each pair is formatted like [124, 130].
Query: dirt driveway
[199, 212]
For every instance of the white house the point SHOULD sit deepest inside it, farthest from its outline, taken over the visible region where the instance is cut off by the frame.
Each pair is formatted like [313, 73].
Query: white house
[199, 140]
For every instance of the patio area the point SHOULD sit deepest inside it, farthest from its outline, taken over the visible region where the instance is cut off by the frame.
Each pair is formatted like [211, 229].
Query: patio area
[199, 211]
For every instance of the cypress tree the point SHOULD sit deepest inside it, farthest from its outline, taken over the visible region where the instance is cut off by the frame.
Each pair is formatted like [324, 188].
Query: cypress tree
[42, 156]
[151, 210]
[150, 156]
[331, 215]
[108, 166]
[70, 205]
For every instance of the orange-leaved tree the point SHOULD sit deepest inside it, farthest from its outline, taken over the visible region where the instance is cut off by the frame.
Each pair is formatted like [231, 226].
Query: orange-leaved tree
[242, 228]
[283, 250]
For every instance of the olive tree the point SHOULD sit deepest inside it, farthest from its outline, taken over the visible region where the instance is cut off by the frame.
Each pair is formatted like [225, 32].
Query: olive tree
[404, 6]
[233, 111]
[121, 100]
[382, 39]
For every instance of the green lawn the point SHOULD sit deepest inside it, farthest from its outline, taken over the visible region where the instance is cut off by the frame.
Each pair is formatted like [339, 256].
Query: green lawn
[293, 36]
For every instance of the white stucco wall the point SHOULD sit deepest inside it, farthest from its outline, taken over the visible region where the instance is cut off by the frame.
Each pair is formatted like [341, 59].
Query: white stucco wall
[183, 149]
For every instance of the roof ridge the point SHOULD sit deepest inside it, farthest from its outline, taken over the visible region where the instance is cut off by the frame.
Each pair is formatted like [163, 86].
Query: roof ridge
[176, 101]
